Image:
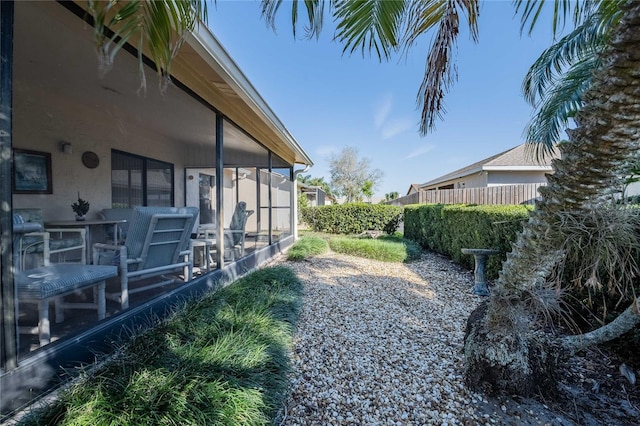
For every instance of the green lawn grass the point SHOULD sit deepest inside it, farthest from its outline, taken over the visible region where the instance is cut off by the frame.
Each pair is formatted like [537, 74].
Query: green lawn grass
[387, 248]
[306, 247]
[222, 360]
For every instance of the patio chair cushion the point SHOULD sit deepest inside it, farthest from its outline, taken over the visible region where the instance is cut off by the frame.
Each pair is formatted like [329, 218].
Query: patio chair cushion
[118, 214]
[238, 221]
[51, 283]
[17, 219]
[34, 244]
[139, 226]
[53, 280]
[28, 215]
[157, 244]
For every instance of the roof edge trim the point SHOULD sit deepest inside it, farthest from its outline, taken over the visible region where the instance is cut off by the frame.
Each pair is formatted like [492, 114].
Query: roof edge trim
[451, 177]
[209, 48]
[517, 168]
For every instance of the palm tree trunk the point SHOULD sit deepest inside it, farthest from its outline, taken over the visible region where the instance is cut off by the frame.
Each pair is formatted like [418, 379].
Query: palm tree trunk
[623, 323]
[501, 352]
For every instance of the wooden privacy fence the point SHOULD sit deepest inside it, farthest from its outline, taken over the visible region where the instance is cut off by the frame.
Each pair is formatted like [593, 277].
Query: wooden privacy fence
[506, 194]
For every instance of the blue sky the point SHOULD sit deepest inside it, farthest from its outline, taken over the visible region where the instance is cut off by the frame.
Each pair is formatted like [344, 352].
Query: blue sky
[328, 100]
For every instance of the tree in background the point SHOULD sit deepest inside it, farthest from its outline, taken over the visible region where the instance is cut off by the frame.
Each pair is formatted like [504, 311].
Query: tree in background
[505, 346]
[303, 201]
[319, 182]
[349, 174]
[367, 190]
[391, 195]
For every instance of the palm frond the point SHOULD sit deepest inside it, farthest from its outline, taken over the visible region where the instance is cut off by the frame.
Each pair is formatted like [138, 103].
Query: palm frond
[610, 10]
[111, 29]
[440, 71]
[370, 25]
[270, 10]
[588, 39]
[577, 10]
[558, 105]
[160, 27]
[315, 15]
[555, 83]
[423, 16]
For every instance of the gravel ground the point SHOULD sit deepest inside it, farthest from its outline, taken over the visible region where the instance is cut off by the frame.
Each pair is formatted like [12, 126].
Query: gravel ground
[381, 344]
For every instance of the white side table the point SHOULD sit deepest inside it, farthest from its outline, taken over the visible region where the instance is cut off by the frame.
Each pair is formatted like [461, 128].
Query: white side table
[207, 244]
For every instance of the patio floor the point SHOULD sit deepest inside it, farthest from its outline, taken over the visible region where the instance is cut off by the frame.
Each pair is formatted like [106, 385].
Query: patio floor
[79, 320]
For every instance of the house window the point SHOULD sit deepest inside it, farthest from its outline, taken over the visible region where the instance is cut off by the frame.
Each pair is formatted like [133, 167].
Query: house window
[140, 181]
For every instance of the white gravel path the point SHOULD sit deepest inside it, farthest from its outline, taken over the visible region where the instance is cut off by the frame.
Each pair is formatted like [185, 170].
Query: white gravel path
[381, 344]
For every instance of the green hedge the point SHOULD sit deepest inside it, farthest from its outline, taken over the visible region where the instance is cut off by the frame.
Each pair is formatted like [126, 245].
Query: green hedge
[353, 218]
[446, 229]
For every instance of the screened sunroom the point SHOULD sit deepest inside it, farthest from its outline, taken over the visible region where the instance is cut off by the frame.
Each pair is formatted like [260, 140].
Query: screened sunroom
[207, 157]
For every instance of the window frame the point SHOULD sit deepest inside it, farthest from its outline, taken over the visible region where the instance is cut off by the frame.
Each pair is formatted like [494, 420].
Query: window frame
[145, 169]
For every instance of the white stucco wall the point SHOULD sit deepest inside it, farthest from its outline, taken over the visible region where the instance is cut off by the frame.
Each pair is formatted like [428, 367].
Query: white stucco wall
[38, 126]
[497, 178]
[475, 180]
[494, 178]
[78, 107]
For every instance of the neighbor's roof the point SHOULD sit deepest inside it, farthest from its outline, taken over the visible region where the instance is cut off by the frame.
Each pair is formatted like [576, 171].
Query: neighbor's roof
[415, 187]
[515, 159]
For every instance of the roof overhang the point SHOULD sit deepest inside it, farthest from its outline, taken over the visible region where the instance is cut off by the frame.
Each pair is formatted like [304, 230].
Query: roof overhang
[448, 178]
[517, 168]
[206, 68]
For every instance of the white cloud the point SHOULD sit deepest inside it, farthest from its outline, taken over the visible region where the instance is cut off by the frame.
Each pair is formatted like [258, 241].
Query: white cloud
[395, 127]
[421, 151]
[327, 150]
[387, 126]
[382, 111]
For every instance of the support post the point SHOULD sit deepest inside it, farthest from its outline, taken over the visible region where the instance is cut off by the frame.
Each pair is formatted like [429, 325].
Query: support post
[8, 306]
[219, 191]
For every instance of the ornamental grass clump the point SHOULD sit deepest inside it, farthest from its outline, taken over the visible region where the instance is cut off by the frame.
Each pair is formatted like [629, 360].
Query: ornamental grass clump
[222, 360]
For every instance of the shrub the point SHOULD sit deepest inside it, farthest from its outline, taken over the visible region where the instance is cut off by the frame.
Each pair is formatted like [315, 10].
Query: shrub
[447, 229]
[353, 218]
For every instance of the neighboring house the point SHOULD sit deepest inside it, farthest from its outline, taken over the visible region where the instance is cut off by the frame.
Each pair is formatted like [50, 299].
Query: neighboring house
[315, 195]
[210, 141]
[512, 167]
[415, 187]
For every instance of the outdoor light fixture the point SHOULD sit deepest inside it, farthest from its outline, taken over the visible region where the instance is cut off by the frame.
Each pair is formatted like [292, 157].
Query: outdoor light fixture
[66, 147]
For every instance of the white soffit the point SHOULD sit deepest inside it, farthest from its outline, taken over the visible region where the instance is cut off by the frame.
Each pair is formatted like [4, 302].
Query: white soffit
[213, 53]
[518, 168]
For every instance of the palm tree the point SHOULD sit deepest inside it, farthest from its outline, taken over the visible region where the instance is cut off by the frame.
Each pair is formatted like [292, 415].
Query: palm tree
[556, 82]
[385, 27]
[606, 138]
[318, 181]
[501, 350]
[157, 28]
